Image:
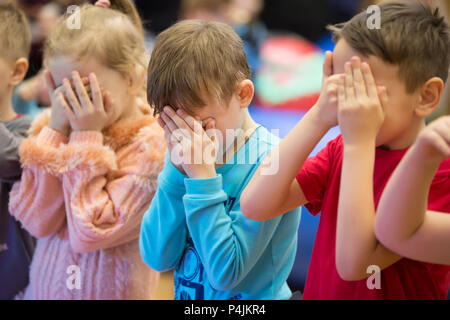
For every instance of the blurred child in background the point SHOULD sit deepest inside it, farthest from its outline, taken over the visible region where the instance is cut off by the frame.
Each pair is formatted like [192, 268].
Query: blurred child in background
[16, 245]
[242, 15]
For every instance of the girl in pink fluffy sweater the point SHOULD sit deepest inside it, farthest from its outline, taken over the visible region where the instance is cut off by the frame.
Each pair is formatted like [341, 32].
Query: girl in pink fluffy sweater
[91, 164]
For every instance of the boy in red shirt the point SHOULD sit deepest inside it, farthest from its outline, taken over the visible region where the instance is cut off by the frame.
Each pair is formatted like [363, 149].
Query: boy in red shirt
[389, 80]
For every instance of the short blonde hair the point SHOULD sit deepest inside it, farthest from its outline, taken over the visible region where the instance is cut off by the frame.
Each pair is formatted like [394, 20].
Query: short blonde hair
[193, 58]
[107, 34]
[15, 34]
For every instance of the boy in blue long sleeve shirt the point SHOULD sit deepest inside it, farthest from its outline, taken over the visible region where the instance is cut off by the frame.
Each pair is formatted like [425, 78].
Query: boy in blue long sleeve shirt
[195, 224]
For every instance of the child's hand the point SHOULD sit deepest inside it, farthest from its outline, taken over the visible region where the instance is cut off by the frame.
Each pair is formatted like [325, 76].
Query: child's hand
[186, 136]
[86, 111]
[171, 142]
[58, 120]
[361, 104]
[328, 101]
[434, 140]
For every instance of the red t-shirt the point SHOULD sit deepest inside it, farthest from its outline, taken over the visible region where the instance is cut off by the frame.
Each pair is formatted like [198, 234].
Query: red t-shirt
[319, 179]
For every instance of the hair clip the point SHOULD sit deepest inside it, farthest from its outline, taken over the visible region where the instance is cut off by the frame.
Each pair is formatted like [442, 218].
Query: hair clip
[103, 3]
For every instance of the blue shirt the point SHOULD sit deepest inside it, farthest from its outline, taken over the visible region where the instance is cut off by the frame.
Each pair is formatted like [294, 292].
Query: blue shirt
[196, 226]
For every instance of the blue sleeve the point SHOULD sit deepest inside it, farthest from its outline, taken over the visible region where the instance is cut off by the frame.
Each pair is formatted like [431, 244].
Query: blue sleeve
[229, 245]
[163, 229]
[21, 106]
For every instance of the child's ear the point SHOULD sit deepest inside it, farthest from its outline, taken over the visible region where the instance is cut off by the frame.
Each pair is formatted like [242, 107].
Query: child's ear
[429, 97]
[136, 80]
[19, 71]
[245, 92]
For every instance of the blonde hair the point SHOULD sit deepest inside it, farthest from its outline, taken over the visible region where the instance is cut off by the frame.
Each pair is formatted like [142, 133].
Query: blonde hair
[192, 58]
[105, 33]
[15, 32]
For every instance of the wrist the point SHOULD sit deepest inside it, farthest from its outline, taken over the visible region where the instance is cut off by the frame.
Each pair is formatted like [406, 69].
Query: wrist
[204, 173]
[64, 130]
[358, 140]
[359, 145]
[319, 119]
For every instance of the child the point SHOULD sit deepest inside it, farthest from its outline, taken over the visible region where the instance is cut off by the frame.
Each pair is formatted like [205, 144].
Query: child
[242, 15]
[346, 179]
[403, 223]
[16, 245]
[198, 79]
[90, 167]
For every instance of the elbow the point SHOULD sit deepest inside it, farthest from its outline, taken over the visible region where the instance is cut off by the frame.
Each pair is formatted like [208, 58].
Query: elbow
[155, 259]
[157, 264]
[383, 235]
[350, 270]
[247, 211]
[250, 212]
[224, 277]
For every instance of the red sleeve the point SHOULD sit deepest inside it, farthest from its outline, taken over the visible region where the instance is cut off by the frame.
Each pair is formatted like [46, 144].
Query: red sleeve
[313, 176]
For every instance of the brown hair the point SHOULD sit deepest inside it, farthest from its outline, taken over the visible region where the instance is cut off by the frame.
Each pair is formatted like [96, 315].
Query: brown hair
[193, 58]
[108, 34]
[412, 35]
[187, 6]
[15, 32]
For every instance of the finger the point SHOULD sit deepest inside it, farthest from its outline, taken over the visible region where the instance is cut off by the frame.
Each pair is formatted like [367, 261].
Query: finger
[210, 130]
[169, 122]
[161, 122]
[189, 120]
[328, 64]
[198, 128]
[179, 121]
[207, 122]
[441, 145]
[371, 86]
[81, 92]
[96, 93]
[107, 102]
[383, 96]
[71, 97]
[62, 101]
[360, 85]
[349, 84]
[168, 137]
[442, 129]
[50, 83]
[341, 93]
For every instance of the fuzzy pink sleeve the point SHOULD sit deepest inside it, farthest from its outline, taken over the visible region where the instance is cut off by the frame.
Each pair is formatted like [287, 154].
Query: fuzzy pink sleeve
[106, 193]
[37, 200]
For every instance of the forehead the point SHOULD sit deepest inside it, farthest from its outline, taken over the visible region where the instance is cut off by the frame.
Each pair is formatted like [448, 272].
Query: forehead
[211, 109]
[62, 66]
[381, 70]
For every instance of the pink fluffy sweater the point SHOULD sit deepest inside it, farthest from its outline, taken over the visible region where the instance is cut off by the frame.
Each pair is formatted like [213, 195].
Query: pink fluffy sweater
[83, 197]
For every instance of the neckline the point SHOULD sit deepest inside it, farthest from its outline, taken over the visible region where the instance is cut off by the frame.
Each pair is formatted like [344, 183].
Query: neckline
[232, 161]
